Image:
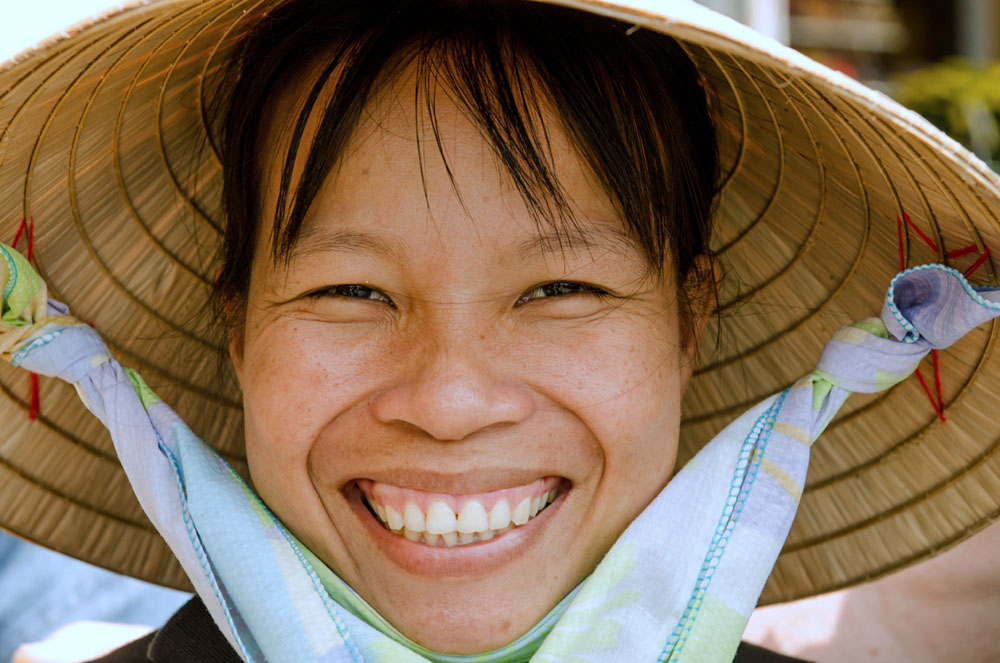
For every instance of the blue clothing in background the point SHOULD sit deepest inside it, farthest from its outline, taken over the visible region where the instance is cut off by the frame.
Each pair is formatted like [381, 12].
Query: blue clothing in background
[41, 591]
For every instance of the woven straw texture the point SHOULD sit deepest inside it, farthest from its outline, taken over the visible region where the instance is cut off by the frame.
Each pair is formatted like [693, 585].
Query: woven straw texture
[103, 144]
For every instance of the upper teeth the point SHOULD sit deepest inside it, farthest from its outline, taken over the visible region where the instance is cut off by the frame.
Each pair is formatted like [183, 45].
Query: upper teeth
[472, 523]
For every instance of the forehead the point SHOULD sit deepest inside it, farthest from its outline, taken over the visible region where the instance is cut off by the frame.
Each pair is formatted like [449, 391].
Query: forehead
[416, 161]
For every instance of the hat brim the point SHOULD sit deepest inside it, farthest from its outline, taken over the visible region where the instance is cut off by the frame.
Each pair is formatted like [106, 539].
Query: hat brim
[103, 143]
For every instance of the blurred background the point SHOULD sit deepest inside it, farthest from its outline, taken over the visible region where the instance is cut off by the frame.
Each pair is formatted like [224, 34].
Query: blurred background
[938, 57]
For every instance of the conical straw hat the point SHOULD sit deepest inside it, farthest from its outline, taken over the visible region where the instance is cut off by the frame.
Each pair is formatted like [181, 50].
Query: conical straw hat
[103, 143]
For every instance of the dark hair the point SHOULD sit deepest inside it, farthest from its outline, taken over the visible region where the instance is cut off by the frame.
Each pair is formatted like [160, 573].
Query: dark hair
[630, 100]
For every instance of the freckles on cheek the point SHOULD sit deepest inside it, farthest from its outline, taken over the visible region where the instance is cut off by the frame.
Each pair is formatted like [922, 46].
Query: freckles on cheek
[636, 394]
[279, 395]
[301, 377]
[609, 376]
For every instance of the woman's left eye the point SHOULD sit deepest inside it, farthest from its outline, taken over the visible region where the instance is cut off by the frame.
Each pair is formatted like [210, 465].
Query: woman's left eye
[559, 289]
[353, 291]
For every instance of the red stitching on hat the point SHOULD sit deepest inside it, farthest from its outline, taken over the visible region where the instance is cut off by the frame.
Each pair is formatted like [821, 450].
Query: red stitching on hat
[34, 402]
[17, 235]
[979, 262]
[964, 251]
[927, 240]
[938, 402]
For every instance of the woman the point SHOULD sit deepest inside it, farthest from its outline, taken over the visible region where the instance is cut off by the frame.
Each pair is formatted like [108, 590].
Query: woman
[467, 262]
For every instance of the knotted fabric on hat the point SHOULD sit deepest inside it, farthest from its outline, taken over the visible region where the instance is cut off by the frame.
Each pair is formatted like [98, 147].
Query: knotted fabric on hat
[678, 585]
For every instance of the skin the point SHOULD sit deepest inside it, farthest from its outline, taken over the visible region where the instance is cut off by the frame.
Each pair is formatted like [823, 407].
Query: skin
[472, 379]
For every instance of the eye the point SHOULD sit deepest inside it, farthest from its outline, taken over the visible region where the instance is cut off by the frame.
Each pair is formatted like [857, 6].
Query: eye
[559, 289]
[352, 291]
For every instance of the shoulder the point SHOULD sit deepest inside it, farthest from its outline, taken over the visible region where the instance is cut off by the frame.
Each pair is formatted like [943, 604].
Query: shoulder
[748, 653]
[190, 636]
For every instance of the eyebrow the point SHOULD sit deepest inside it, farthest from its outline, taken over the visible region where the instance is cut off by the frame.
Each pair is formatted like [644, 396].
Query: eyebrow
[322, 239]
[574, 238]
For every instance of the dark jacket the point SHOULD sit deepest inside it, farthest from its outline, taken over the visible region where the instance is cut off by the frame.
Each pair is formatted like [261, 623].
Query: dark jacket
[192, 637]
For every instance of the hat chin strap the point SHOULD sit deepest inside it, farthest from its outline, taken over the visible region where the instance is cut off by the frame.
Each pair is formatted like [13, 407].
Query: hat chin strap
[678, 585]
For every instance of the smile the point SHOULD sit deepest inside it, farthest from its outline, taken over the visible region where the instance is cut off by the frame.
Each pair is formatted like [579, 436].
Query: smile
[444, 520]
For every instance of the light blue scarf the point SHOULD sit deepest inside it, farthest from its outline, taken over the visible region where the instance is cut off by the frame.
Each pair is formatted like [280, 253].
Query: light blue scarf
[678, 585]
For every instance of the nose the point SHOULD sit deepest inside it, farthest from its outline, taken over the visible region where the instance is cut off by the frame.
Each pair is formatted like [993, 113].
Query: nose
[451, 393]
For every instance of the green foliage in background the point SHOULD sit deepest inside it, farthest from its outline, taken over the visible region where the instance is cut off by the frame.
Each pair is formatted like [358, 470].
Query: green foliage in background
[960, 98]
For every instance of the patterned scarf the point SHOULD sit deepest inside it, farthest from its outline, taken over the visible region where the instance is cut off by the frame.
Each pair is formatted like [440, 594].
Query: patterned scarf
[678, 585]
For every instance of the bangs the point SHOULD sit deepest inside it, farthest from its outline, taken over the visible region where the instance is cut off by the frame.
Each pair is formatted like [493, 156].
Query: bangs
[630, 101]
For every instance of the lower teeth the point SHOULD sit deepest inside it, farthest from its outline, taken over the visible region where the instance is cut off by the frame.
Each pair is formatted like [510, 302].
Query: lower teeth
[449, 539]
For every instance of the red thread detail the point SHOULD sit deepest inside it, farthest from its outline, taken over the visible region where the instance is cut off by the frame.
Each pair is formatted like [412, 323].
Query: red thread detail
[964, 251]
[31, 237]
[938, 403]
[17, 235]
[979, 261]
[927, 240]
[937, 384]
[937, 409]
[35, 400]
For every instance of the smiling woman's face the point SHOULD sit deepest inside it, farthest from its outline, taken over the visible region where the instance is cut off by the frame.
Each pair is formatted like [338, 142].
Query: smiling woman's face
[432, 366]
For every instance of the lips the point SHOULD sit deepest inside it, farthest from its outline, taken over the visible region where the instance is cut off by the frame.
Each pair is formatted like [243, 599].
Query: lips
[446, 520]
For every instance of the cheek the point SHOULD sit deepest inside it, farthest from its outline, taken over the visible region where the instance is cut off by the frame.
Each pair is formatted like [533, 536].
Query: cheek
[625, 386]
[616, 377]
[624, 383]
[298, 377]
